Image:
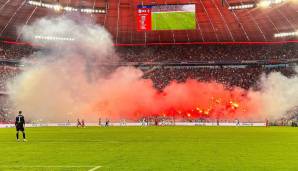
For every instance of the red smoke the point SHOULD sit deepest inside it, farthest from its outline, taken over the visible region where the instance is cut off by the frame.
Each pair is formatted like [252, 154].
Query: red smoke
[126, 96]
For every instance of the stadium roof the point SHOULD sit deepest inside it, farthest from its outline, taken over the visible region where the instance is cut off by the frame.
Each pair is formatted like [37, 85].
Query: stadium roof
[215, 22]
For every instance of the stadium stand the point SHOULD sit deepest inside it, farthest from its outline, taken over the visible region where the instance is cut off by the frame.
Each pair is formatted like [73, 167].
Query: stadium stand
[5, 110]
[7, 73]
[208, 52]
[11, 51]
[182, 52]
[241, 77]
[230, 75]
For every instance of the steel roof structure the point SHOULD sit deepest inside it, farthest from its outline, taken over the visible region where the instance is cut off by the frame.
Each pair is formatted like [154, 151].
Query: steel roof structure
[215, 22]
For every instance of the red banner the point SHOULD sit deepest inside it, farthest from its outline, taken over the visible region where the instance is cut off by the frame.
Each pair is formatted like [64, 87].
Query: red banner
[144, 19]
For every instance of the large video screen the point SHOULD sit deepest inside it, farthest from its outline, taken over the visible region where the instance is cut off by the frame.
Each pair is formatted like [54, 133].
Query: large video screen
[166, 17]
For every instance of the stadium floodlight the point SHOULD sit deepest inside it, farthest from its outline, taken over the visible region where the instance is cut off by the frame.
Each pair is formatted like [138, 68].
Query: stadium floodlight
[286, 34]
[90, 10]
[241, 6]
[59, 7]
[269, 3]
[36, 3]
[54, 38]
[264, 4]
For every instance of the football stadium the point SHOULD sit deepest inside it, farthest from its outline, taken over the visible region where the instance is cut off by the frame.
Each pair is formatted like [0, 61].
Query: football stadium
[91, 85]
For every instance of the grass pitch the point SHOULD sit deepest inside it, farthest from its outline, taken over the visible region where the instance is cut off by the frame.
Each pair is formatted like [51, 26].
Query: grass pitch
[151, 148]
[174, 21]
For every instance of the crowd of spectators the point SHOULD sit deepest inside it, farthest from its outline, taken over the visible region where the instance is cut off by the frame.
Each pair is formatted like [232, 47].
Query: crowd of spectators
[246, 78]
[180, 53]
[7, 73]
[5, 109]
[241, 76]
[14, 52]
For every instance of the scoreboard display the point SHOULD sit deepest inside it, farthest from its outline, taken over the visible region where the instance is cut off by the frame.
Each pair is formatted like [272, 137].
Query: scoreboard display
[144, 18]
[166, 17]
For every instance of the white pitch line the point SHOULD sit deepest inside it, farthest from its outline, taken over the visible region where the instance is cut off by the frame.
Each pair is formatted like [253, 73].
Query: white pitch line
[51, 166]
[95, 168]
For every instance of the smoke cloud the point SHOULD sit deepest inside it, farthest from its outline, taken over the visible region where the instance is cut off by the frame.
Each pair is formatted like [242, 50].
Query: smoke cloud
[65, 82]
[278, 94]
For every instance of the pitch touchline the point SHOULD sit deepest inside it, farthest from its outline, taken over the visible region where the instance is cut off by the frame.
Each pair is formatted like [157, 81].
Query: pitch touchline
[93, 168]
[46, 166]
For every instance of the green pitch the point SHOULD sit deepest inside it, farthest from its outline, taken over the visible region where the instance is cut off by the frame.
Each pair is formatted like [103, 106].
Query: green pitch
[173, 21]
[151, 148]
